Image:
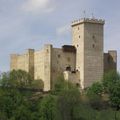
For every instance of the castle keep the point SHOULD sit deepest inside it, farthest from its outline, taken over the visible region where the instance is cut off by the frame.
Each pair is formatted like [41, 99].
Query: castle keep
[82, 63]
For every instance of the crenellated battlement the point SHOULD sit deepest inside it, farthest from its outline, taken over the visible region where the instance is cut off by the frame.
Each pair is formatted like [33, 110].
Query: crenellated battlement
[88, 20]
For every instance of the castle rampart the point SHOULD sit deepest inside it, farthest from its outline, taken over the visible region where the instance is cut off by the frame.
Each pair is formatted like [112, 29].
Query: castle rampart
[82, 63]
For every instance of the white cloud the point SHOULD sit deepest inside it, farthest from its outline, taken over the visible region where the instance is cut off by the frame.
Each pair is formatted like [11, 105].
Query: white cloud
[64, 30]
[38, 6]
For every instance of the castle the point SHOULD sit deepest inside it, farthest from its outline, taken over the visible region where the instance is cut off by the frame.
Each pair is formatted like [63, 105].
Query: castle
[82, 63]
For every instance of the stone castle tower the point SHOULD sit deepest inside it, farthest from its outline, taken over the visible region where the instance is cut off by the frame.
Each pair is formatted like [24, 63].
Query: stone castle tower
[88, 40]
[82, 63]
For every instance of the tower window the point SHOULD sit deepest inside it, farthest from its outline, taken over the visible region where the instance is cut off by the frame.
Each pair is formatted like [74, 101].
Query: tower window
[79, 36]
[59, 56]
[93, 37]
[47, 50]
[77, 45]
[93, 45]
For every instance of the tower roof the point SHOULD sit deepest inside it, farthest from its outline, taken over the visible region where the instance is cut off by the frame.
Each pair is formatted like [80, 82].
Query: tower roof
[88, 20]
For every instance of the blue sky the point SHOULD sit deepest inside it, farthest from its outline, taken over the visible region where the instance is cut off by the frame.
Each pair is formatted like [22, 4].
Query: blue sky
[32, 23]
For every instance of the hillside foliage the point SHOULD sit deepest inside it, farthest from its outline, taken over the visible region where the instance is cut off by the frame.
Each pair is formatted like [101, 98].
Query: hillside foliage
[101, 101]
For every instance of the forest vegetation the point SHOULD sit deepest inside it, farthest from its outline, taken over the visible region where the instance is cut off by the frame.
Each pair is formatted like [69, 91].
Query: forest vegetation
[22, 98]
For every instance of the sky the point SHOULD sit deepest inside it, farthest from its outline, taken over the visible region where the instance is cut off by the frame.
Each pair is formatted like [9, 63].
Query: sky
[32, 23]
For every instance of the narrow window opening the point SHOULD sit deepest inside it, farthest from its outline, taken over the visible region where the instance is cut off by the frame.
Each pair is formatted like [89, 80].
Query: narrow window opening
[47, 51]
[59, 56]
[93, 46]
[93, 37]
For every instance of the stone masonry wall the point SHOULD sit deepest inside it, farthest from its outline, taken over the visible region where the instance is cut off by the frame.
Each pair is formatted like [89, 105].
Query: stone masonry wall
[110, 61]
[61, 60]
[88, 40]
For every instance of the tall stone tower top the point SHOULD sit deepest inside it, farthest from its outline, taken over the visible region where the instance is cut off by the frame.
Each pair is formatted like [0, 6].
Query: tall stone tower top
[88, 37]
[88, 20]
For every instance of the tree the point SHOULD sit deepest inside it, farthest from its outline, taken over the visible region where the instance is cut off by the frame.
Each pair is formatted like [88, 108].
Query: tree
[67, 101]
[10, 99]
[94, 94]
[68, 98]
[4, 80]
[3, 116]
[22, 113]
[47, 108]
[15, 101]
[37, 84]
[20, 78]
[110, 79]
[16, 78]
[111, 83]
[61, 85]
[96, 89]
